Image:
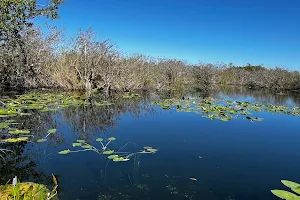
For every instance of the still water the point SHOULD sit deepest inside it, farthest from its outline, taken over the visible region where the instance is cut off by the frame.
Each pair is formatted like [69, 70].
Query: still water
[197, 158]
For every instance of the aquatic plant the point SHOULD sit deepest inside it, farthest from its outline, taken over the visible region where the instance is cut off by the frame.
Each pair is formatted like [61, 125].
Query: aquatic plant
[282, 194]
[116, 156]
[28, 191]
[223, 110]
[27, 104]
[50, 131]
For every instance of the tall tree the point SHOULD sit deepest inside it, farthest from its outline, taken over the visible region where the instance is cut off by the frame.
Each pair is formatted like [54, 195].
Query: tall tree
[15, 22]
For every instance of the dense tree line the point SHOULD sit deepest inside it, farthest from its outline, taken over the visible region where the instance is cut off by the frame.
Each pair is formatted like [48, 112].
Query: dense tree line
[32, 58]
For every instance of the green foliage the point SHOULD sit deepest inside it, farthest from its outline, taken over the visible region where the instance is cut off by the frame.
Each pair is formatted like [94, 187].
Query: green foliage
[282, 194]
[16, 15]
[111, 154]
[28, 191]
[224, 110]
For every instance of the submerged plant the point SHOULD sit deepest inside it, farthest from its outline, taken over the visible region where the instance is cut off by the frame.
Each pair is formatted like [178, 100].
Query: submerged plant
[282, 194]
[116, 156]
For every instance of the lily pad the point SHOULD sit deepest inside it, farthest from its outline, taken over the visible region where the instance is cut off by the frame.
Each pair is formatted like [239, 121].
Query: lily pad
[16, 131]
[285, 195]
[14, 140]
[112, 156]
[111, 138]
[290, 184]
[120, 159]
[99, 139]
[65, 151]
[51, 130]
[42, 140]
[76, 144]
[108, 152]
[152, 150]
[87, 146]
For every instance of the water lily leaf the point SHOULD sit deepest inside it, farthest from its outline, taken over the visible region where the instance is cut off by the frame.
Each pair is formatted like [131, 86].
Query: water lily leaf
[108, 152]
[147, 147]
[152, 150]
[81, 141]
[285, 195]
[42, 140]
[87, 146]
[112, 156]
[51, 130]
[111, 138]
[99, 139]
[13, 140]
[296, 189]
[65, 151]
[290, 184]
[75, 144]
[120, 159]
[16, 131]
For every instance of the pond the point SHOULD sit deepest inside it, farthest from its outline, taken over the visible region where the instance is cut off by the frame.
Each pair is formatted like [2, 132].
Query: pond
[229, 144]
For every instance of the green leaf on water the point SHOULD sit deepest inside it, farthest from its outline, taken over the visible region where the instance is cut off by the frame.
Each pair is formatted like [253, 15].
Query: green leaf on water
[296, 189]
[290, 184]
[75, 144]
[112, 157]
[99, 139]
[16, 131]
[42, 140]
[111, 138]
[52, 130]
[81, 141]
[108, 152]
[120, 159]
[64, 152]
[13, 140]
[285, 195]
[152, 150]
[87, 146]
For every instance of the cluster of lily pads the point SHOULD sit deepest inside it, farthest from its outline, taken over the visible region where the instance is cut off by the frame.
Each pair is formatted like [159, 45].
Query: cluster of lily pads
[224, 110]
[282, 194]
[11, 109]
[116, 156]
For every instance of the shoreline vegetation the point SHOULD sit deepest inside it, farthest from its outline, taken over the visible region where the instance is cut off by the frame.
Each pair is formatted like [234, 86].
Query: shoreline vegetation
[34, 58]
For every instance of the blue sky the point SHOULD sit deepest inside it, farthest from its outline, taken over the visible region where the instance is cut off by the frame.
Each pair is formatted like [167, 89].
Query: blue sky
[239, 31]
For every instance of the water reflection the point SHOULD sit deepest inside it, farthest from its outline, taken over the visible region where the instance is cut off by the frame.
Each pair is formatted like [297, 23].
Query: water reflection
[180, 138]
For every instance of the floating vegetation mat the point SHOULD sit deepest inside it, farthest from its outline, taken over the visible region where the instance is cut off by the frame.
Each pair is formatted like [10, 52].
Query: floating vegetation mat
[224, 110]
[11, 109]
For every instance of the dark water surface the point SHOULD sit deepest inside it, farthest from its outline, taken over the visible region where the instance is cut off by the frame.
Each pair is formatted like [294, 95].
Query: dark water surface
[238, 159]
